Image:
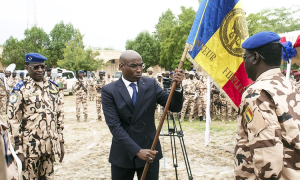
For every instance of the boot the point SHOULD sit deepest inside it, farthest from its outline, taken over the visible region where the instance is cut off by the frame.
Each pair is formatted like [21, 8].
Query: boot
[78, 118]
[201, 118]
[85, 118]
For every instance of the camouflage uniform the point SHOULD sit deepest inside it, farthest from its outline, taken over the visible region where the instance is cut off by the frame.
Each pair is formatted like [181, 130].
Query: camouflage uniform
[11, 82]
[268, 129]
[215, 110]
[3, 97]
[61, 81]
[91, 87]
[10, 165]
[36, 124]
[109, 80]
[81, 97]
[99, 85]
[202, 98]
[189, 87]
[223, 107]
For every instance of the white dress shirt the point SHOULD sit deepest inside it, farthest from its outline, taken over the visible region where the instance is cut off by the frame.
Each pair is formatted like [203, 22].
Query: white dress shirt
[129, 88]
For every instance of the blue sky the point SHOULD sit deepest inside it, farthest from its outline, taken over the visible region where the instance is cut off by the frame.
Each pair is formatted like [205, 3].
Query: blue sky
[104, 23]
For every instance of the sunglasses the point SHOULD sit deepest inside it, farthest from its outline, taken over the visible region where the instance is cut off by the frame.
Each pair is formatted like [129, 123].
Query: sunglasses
[37, 67]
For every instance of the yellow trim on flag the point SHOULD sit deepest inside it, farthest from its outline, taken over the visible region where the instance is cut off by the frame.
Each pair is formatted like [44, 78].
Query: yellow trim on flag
[200, 21]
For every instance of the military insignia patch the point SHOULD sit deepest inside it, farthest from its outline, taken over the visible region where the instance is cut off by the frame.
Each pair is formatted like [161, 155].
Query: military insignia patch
[248, 114]
[53, 91]
[13, 97]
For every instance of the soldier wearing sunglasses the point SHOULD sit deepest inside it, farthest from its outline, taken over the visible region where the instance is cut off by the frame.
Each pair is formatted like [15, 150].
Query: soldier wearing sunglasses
[35, 120]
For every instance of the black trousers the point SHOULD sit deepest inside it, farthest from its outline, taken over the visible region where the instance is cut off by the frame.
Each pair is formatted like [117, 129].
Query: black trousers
[118, 173]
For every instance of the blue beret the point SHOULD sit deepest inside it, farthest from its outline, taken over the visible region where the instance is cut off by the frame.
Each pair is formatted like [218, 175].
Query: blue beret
[194, 70]
[101, 72]
[34, 58]
[171, 72]
[21, 73]
[260, 39]
[80, 71]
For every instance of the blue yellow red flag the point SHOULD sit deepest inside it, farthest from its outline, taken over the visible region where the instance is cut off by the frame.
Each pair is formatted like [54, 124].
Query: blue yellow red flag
[219, 29]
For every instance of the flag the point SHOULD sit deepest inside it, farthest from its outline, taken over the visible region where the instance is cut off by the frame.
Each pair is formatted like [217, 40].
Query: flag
[219, 29]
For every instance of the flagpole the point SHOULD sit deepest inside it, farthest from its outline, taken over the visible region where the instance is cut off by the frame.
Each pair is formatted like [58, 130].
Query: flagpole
[165, 112]
[208, 118]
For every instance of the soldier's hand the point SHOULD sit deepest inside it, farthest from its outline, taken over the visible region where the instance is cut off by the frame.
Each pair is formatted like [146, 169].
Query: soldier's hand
[62, 152]
[178, 77]
[147, 155]
[22, 159]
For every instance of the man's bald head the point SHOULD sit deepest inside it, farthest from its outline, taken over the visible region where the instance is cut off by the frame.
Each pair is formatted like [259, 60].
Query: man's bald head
[128, 55]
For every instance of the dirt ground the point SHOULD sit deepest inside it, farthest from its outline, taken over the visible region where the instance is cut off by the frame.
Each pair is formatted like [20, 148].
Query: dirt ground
[87, 146]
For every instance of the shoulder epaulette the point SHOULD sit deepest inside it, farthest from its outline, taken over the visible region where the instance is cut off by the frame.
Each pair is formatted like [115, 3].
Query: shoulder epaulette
[53, 82]
[18, 86]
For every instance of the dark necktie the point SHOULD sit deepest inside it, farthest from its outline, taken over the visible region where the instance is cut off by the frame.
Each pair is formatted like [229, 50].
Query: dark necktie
[134, 94]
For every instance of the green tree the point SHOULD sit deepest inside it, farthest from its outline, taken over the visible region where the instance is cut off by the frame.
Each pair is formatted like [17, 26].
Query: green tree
[147, 46]
[13, 52]
[93, 62]
[60, 35]
[173, 46]
[37, 40]
[76, 58]
[278, 20]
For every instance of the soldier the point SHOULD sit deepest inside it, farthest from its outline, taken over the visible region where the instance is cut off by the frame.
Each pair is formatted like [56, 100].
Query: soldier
[11, 82]
[187, 75]
[108, 79]
[202, 98]
[3, 96]
[21, 75]
[150, 72]
[171, 74]
[189, 87]
[100, 83]
[80, 89]
[48, 75]
[268, 126]
[215, 102]
[35, 121]
[85, 76]
[92, 86]
[62, 84]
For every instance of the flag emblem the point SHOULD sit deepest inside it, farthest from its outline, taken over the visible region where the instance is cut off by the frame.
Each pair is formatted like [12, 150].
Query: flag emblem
[248, 114]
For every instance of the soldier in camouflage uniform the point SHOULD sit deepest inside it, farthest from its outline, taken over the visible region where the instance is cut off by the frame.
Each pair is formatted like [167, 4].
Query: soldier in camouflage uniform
[11, 82]
[3, 97]
[35, 121]
[80, 89]
[48, 74]
[215, 102]
[268, 126]
[22, 75]
[201, 100]
[100, 83]
[62, 85]
[92, 86]
[108, 79]
[189, 86]
[150, 72]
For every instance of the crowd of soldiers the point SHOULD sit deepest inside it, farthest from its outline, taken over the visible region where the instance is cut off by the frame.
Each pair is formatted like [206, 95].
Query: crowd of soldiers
[195, 97]
[89, 89]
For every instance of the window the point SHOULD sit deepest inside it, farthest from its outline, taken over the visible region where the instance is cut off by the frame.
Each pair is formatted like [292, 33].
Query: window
[68, 75]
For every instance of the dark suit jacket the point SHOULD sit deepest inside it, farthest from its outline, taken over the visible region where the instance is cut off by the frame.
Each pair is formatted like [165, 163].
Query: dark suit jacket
[133, 127]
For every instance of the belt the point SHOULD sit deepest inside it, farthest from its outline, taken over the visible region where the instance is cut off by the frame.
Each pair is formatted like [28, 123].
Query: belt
[190, 93]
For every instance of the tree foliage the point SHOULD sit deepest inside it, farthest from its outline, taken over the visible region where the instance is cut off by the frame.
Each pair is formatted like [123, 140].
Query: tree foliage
[60, 35]
[13, 52]
[278, 20]
[147, 46]
[76, 58]
[173, 45]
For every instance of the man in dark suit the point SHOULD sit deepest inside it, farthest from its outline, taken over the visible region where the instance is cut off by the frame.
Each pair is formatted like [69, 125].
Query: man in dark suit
[129, 105]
